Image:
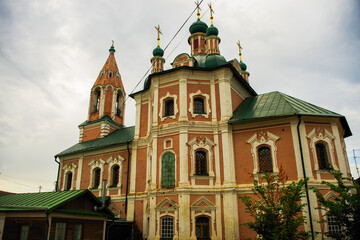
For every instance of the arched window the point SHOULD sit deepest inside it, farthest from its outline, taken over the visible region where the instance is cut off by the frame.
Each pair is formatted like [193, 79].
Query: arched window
[167, 228]
[201, 163]
[199, 107]
[68, 180]
[118, 104]
[202, 228]
[265, 161]
[168, 170]
[96, 101]
[169, 107]
[322, 156]
[96, 177]
[115, 175]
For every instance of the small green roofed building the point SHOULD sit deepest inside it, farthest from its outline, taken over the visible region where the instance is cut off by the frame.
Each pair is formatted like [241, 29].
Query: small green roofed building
[74, 214]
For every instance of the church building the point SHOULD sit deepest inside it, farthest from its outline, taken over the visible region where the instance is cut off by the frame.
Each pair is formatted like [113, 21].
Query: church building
[202, 135]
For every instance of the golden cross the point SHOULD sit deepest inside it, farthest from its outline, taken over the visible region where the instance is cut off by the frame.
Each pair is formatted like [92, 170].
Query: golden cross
[113, 43]
[211, 13]
[158, 32]
[198, 8]
[238, 43]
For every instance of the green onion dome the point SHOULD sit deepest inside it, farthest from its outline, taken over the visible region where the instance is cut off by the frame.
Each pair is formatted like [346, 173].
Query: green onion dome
[158, 52]
[198, 26]
[243, 66]
[112, 49]
[212, 31]
[214, 60]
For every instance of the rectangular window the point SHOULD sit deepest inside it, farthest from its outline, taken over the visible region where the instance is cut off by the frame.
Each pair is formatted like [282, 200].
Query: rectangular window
[169, 107]
[60, 232]
[24, 232]
[77, 232]
[333, 226]
[167, 227]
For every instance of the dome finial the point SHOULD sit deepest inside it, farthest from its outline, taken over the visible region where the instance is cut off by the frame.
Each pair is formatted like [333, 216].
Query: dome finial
[211, 13]
[240, 48]
[198, 8]
[112, 49]
[158, 33]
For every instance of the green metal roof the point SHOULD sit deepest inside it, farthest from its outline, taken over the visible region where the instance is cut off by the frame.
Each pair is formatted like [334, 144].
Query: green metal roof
[277, 104]
[119, 136]
[104, 118]
[46, 201]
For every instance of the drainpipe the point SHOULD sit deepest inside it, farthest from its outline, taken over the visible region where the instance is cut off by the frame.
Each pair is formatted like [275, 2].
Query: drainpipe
[57, 177]
[304, 173]
[96, 208]
[47, 225]
[127, 177]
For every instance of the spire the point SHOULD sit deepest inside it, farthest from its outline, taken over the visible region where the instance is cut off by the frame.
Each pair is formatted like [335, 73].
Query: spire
[107, 98]
[158, 61]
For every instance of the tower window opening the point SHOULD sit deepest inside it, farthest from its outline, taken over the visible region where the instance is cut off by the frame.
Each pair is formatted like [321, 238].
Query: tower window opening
[96, 101]
[265, 160]
[118, 105]
[201, 163]
[169, 107]
[68, 181]
[96, 178]
[196, 43]
[322, 156]
[110, 74]
[115, 175]
[199, 107]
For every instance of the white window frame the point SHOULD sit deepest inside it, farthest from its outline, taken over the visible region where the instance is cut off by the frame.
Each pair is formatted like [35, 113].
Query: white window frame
[112, 161]
[71, 167]
[319, 135]
[162, 106]
[200, 208]
[98, 163]
[206, 98]
[165, 208]
[263, 139]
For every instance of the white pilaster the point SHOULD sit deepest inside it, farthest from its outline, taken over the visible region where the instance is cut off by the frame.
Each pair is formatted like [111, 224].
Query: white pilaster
[156, 103]
[295, 138]
[225, 99]
[138, 117]
[230, 216]
[306, 151]
[79, 172]
[184, 216]
[228, 155]
[183, 158]
[339, 149]
[183, 99]
[154, 162]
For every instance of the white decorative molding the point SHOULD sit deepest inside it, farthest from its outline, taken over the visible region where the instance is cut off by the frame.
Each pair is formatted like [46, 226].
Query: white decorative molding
[112, 161]
[263, 139]
[203, 208]
[162, 103]
[167, 207]
[207, 108]
[319, 135]
[94, 164]
[116, 211]
[207, 145]
[71, 167]
[169, 142]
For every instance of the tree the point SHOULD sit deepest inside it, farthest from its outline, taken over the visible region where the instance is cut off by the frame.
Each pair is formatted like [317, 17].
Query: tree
[276, 208]
[344, 208]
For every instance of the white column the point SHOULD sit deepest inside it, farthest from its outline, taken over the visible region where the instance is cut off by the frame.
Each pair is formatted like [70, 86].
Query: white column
[213, 100]
[156, 103]
[218, 216]
[228, 155]
[230, 216]
[154, 162]
[152, 224]
[225, 99]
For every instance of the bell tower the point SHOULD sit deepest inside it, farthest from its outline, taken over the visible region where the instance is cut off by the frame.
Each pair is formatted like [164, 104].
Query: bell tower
[107, 102]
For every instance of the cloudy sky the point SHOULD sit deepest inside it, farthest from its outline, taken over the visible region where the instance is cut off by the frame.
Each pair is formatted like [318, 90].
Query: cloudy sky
[51, 52]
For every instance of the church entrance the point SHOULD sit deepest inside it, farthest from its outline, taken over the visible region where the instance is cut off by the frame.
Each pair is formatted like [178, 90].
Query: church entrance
[203, 228]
